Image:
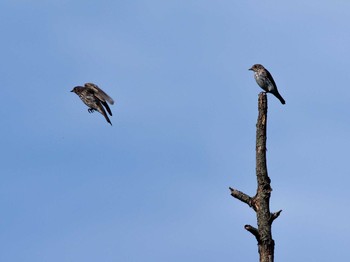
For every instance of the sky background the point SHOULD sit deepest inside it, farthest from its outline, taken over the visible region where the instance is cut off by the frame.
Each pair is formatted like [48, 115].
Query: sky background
[154, 186]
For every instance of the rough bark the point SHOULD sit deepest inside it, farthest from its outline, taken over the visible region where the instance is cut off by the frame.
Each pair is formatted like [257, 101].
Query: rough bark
[261, 201]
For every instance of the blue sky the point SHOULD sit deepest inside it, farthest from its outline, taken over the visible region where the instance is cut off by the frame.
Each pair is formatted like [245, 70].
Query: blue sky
[154, 186]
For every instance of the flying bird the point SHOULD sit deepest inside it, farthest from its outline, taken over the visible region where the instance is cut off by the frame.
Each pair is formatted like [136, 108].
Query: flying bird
[265, 81]
[95, 98]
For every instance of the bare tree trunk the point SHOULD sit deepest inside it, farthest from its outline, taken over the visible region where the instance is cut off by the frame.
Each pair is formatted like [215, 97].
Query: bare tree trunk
[261, 201]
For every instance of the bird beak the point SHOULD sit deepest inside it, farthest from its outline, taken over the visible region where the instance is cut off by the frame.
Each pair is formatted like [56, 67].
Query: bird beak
[250, 69]
[72, 91]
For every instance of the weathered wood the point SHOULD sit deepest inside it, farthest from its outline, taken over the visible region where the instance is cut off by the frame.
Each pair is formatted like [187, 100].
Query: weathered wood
[261, 201]
[262, 198]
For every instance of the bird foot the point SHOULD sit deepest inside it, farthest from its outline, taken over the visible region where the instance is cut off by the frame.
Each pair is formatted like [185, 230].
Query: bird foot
[91, 110]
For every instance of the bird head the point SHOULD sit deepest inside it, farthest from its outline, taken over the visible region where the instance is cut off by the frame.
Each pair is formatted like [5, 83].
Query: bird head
[256, 67]
[75, 89]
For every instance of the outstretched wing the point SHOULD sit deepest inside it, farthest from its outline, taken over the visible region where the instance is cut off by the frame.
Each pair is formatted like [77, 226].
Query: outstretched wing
[99, 93]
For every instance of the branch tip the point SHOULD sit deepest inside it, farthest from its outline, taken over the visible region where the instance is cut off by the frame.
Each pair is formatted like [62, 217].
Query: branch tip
[274, 216]
[241, 196]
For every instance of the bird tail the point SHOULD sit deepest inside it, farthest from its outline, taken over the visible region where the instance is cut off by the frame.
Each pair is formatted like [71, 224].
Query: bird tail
[109, 121]
[103, 112]
[280, 97]
[107, 107]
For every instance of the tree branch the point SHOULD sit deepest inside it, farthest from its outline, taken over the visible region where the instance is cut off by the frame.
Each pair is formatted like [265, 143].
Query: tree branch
[261, 201]
[242, 197]
[254, 231]
[274, 216]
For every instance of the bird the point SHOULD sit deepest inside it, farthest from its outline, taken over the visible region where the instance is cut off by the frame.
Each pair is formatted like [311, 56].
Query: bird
[95, 98]
[265, 81]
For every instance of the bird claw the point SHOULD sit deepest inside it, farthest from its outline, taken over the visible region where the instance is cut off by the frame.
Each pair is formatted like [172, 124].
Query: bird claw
[91, 110]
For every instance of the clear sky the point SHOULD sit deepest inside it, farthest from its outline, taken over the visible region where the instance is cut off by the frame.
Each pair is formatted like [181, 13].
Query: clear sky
[154, 186]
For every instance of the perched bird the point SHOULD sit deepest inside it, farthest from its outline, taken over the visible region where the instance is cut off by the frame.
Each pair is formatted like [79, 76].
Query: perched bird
[265, 81]
[95, 99]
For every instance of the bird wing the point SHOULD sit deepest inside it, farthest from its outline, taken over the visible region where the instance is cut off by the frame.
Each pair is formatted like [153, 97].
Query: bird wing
[99, 93]
[269, 76]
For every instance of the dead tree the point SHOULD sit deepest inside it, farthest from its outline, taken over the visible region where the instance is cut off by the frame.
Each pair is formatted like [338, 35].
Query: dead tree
[261, 201]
